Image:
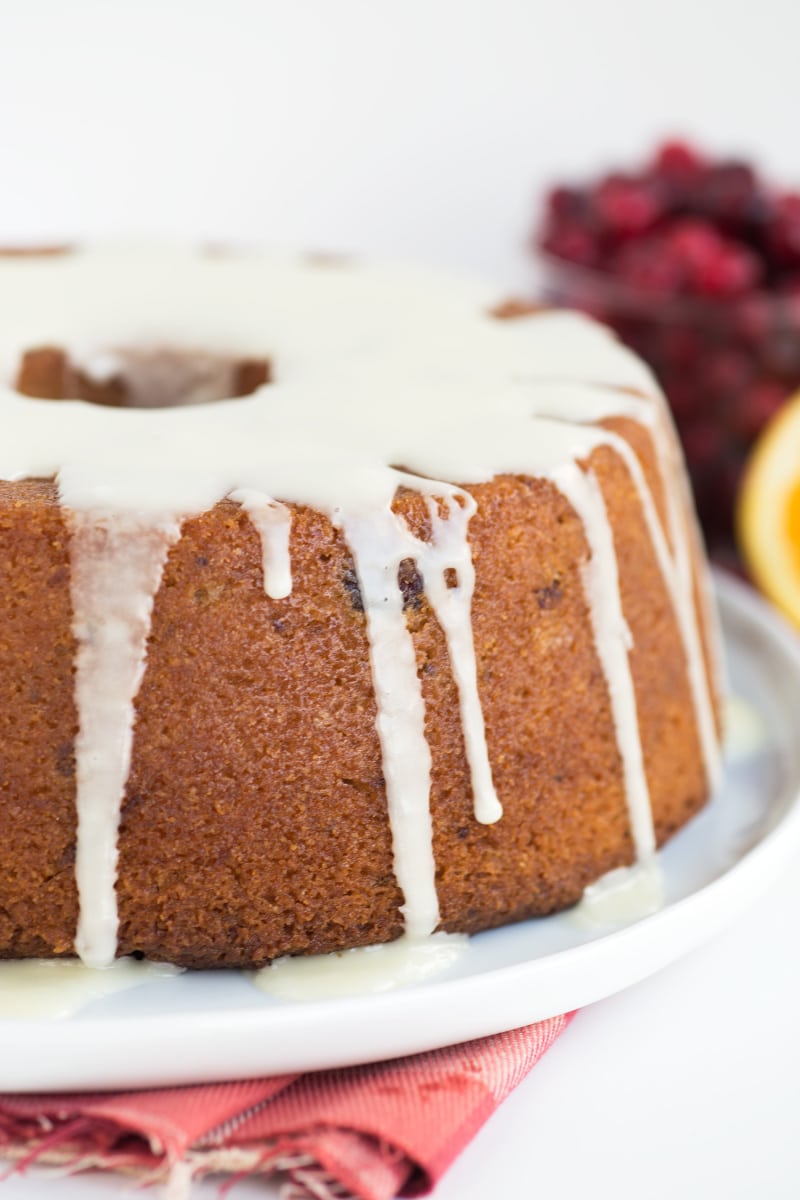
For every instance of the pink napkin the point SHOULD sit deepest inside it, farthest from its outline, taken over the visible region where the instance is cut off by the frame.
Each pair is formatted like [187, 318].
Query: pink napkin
[372, 1132]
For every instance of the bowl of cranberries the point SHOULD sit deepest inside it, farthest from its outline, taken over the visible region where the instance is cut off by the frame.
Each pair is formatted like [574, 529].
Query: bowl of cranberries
[695, 262]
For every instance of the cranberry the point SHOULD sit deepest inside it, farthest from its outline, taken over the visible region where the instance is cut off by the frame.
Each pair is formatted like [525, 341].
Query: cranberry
[645, 267]
[780, 351]
[752, 318]
[567, 203]
[572, 242]
[757, 406]
[733, 271]
[626, 206]
[694, 243]
[727, 373]
[677, 160]
[683, 398]
[727, 481]
[730, 194]
[681, 346]
[786, 311]
[702, 442]
[783, 238]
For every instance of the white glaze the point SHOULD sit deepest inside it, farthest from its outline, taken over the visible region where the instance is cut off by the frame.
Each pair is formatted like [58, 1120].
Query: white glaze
[116, 569]
[53, 989]
[614, 643]
[449, 551]
[745, 732]
[273, 521]
[622, 896]
[380, 541]
[373, 368]
[366, 969]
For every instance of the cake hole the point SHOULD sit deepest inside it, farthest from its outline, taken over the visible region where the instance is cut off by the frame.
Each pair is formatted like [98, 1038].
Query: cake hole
[139, 376]
[451, 577]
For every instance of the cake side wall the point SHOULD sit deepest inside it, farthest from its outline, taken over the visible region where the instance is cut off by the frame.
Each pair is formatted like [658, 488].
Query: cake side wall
[38, 723]
[255, 820]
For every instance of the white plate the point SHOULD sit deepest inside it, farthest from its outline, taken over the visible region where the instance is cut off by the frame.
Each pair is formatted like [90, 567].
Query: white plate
[214, 1025]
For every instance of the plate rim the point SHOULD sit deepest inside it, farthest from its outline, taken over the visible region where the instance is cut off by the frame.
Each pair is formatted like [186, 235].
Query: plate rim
[340, 1032]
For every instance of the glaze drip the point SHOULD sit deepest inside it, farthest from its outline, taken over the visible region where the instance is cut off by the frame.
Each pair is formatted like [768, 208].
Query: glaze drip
[379, 542]
[116, 566]
[449, 551]
[273, 522]
[614, 643]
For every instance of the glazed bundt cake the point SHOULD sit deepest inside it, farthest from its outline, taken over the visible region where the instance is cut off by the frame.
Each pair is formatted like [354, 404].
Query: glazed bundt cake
[390, 618]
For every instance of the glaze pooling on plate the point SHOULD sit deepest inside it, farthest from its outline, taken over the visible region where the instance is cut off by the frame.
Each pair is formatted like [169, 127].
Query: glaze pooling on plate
[57, 988]
[363, 970]
[362, 357]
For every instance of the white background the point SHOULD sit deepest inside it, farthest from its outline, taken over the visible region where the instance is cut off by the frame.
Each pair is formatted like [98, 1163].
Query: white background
[420, 128]
[426, 129]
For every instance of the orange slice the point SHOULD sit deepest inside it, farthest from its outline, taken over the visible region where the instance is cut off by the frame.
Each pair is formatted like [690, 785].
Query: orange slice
[768, 510]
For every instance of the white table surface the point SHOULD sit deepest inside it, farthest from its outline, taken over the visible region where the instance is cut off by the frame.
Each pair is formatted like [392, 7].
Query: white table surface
[687, 1085]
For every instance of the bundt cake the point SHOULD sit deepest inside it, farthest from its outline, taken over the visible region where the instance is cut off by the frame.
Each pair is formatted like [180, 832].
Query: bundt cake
[391, 616]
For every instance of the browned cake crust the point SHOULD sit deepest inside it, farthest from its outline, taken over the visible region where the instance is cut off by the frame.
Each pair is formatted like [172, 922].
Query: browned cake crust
[255, 821]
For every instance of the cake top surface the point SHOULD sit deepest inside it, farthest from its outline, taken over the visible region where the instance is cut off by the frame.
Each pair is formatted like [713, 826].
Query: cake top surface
[373, 366]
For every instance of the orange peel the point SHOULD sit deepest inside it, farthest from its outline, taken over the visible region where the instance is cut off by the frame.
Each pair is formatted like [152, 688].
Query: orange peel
[768, 511]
